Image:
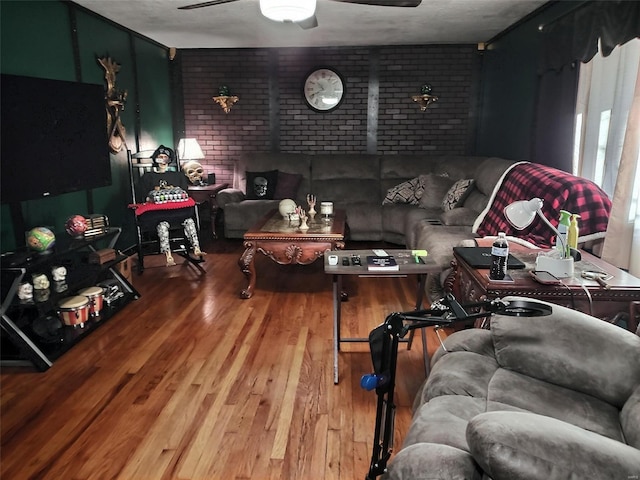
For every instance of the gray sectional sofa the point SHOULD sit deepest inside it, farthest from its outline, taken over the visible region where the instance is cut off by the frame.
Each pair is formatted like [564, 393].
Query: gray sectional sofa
[544, 398]
[359, 185]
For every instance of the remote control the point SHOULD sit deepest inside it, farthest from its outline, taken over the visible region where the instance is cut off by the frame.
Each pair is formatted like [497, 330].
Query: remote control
[345, 261]
[355, 260]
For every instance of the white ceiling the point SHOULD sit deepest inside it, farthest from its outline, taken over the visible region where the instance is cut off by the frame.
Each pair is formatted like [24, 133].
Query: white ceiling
[240, 25]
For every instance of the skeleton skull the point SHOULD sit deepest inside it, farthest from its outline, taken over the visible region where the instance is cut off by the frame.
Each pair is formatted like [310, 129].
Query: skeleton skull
[260, 186]
[194, 172]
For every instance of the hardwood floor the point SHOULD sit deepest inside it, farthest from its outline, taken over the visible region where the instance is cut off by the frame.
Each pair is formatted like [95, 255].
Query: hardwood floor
[191, 382]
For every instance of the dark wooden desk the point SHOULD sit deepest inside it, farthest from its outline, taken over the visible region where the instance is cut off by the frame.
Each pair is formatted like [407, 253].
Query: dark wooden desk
[471, 284]
[207, 194]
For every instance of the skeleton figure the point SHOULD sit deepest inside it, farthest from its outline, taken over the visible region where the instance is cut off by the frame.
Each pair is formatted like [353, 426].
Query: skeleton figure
[260, 186]
[194, 172]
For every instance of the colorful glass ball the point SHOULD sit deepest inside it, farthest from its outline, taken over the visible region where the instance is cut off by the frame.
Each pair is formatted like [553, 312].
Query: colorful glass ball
[40, 239]
[76, 225]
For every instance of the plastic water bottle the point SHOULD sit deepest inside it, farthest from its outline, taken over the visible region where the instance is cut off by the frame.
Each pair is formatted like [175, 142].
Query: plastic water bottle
[499, 254]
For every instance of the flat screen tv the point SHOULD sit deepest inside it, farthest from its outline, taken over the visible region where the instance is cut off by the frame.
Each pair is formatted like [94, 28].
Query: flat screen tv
[54, 138]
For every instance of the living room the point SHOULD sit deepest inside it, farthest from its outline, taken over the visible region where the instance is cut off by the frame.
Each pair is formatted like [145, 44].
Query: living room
[486, 106]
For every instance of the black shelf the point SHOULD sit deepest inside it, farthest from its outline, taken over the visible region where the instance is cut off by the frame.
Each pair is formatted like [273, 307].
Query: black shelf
[32, 330]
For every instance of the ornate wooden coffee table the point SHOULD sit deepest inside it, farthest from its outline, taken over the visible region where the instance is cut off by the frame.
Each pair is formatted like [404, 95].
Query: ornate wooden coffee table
[284, 243]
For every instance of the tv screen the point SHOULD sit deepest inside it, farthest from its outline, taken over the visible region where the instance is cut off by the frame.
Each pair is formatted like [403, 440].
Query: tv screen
[54, 138]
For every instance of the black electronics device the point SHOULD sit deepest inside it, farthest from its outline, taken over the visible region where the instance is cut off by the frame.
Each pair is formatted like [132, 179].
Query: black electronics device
[56, 129]
[480, 257]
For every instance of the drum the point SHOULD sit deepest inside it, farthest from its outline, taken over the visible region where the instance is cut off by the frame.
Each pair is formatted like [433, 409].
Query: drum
[96, 299]
[74, 311]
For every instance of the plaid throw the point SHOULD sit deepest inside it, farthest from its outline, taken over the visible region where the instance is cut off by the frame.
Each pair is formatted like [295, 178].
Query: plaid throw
[559, 191]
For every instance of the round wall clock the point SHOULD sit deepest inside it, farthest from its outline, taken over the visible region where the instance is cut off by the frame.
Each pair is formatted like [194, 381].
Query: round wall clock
[323, 89]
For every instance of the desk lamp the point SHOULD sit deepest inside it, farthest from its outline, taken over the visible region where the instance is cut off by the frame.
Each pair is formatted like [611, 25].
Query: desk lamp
[521, 214]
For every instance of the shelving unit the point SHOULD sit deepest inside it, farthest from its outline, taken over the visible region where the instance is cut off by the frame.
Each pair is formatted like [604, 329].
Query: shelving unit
[31, 330]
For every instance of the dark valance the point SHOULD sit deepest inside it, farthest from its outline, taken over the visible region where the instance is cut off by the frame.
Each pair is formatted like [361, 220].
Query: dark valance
[574, 36]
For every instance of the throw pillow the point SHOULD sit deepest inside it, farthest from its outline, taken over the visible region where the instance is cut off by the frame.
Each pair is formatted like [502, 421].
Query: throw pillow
[287, 185]
[261, 185]
[404, 193]
[457, 194]
[434, 187]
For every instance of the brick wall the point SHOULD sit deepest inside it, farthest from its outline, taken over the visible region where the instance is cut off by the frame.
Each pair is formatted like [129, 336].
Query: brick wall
[271, 114]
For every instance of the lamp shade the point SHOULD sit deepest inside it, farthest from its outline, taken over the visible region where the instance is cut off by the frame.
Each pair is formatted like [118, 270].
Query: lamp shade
[189, 149]
[287, 10]
[520, 214]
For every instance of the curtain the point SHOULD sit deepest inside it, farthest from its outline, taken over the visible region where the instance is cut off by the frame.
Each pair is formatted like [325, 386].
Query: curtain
[607, 146]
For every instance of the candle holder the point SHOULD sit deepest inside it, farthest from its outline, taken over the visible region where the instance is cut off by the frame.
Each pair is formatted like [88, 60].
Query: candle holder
[326, 210]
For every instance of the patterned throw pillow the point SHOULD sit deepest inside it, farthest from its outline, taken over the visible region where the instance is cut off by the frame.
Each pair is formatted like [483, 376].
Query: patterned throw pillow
[457, 194]
[406, 192]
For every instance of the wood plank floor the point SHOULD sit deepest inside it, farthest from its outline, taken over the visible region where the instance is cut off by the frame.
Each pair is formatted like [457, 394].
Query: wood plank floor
[191, 382]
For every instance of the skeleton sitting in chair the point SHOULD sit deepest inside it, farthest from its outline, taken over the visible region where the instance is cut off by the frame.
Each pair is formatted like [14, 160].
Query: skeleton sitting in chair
[152, 185]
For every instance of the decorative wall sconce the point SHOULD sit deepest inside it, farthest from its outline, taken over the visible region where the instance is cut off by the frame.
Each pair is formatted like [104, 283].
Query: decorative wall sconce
[425, 98]
[225, 99]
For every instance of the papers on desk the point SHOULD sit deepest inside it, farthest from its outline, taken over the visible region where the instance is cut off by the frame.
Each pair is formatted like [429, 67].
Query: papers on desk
[378, 263]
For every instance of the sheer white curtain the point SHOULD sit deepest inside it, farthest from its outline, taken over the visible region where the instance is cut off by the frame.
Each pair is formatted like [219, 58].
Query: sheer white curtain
[607, 145]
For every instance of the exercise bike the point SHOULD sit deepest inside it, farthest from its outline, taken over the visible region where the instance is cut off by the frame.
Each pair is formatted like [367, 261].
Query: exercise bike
[383, 343]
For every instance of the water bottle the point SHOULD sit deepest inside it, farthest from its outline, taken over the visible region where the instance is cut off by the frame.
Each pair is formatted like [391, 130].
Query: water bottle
[499, 254]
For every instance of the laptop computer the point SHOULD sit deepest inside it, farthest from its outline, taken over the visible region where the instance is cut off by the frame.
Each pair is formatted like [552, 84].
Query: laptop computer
[480, 257]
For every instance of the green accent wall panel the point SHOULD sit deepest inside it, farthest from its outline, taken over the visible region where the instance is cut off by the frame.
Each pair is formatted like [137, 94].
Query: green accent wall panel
[154, 96]
[36, 39]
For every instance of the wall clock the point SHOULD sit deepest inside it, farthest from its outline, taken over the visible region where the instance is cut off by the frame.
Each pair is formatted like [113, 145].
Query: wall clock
[323, 89]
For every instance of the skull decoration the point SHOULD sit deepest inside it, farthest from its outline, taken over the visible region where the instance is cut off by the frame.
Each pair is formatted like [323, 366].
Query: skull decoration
[194, 172]
[260, 186]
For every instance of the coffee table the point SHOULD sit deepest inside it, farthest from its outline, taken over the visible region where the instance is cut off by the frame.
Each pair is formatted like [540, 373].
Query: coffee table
[284, 243]
[407, 266]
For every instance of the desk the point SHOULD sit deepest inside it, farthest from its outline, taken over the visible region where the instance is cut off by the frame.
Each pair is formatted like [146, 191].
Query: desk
[408, 268]
[208, 194]
[471, 285]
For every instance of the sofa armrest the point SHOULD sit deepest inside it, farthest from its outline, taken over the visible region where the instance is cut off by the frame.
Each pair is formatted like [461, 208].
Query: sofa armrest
[229, 195]
[459, 216]
[510, 445]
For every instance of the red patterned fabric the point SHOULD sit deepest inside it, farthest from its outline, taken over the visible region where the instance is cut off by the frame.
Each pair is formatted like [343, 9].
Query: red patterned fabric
[559, 191]
[141, 208]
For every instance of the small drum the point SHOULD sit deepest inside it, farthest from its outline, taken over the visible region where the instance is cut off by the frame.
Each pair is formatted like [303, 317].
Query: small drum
[74, 311]
[96, 299]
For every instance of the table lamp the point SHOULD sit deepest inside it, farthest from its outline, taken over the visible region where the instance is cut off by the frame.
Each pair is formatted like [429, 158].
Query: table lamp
[189, 149]
[521, 214]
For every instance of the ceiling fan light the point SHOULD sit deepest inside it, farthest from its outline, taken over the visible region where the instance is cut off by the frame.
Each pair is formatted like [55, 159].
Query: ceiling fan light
[288, 10]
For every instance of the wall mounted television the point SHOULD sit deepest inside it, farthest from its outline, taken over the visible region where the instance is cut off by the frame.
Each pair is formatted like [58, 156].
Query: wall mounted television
[54, 138]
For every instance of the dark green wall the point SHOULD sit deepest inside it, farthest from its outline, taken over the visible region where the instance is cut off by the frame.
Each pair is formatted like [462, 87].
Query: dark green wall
[38, 39]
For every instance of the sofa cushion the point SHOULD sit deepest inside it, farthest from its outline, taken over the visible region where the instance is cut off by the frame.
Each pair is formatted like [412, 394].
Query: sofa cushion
[457, 194]
[435, 188]
[489, 172]
[261, 185]
[522, 445]
[630, 419]
[430, 461]
[459, 216]
[287, 185]
[405, 192]
[538, 347]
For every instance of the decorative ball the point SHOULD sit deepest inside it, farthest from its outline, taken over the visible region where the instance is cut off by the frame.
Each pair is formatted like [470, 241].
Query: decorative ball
[76, 225]
[287, 207]
[426, 89]
[41, 239]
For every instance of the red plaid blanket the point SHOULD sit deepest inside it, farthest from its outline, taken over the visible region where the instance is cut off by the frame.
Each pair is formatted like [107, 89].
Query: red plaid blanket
[559, 191]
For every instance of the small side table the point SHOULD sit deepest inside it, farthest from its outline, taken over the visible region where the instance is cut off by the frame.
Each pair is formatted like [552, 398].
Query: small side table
[208, 194]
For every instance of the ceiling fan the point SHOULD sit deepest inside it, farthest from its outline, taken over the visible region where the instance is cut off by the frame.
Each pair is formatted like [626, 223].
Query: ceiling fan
[312, 21]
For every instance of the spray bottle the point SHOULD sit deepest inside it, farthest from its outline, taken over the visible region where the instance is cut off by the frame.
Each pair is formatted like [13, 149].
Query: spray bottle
[563, 229]
[572, 234]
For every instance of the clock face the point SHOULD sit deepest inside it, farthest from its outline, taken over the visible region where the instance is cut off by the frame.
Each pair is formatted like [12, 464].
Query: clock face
[323, 90]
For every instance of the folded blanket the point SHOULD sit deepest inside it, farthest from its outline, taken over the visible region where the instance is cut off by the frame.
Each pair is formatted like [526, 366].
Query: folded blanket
[559, 191]
[141, 208]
